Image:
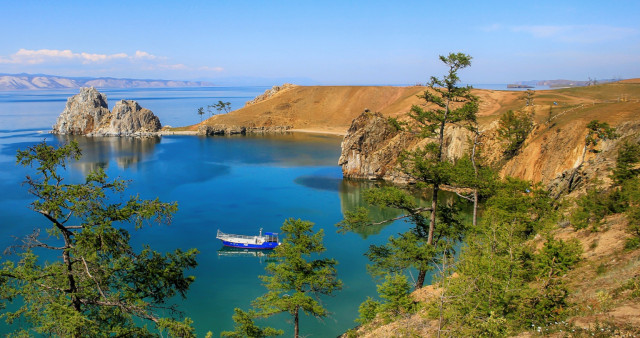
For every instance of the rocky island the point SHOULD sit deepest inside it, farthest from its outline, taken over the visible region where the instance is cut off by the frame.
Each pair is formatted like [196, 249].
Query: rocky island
[87, 113]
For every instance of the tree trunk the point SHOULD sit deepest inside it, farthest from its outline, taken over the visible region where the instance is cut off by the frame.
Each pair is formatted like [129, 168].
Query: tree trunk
[434, 207]
[475, 171]
[296, 328]
[66, 257]
[436, 185]
[475, 207]
[420, 282]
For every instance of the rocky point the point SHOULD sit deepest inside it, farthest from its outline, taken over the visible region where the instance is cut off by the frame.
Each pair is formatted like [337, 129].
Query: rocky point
[87, 113]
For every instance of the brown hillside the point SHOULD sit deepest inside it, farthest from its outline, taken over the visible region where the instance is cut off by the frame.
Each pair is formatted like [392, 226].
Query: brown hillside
[630, 81]
[332, 108]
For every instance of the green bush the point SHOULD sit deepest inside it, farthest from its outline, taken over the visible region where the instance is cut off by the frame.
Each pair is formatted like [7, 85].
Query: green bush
[632, 243]
[514, 128]
[368, 311]
[557, 257]
[628, 157]
[396, 294]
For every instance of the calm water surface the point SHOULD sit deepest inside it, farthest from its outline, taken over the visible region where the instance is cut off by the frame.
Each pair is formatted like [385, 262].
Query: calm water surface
[236, 184]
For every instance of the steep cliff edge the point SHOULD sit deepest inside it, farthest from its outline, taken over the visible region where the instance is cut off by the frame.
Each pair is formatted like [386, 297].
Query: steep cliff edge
[87, 113]
[371, 148]
[553, 149]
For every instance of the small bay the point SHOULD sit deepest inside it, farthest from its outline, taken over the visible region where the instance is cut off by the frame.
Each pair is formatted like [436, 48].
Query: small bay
[236, 184]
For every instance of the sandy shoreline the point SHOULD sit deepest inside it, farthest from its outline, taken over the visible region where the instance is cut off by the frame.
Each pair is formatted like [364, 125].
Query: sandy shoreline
[319, 131]
[309, 131]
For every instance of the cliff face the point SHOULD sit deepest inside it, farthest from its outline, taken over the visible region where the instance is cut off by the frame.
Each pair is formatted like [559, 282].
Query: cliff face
[222, 129]
[550, 154]
[87, 113]
[371, 147]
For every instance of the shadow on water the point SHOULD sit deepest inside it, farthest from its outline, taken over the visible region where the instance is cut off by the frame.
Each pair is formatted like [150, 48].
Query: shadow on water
[352, 193]
[352, 197]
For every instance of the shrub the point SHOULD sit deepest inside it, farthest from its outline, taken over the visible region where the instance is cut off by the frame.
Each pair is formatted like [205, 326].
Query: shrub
[557, 257]
[628, 157]
[396, 292]
[514, 128]
[368, 311]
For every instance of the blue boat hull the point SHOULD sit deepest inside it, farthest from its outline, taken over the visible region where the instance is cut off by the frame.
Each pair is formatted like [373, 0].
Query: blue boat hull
[264, 246]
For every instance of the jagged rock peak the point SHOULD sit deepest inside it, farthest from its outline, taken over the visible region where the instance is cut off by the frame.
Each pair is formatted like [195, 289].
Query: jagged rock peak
[87, 113]
[129, 118]
[83, 113]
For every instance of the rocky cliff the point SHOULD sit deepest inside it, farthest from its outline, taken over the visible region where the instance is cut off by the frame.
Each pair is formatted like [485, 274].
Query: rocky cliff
[371, 147]
[223, 129]
[550, 154]
[87, 113]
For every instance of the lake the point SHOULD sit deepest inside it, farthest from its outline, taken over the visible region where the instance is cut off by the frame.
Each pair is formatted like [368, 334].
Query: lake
[236, 184]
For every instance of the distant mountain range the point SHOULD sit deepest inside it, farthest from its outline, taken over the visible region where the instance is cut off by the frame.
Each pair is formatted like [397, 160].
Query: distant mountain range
[42, 81]
[564, 83]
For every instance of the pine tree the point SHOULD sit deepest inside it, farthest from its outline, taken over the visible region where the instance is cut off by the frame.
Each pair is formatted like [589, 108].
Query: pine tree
[94, 283]
[445, 103]
[295, 281]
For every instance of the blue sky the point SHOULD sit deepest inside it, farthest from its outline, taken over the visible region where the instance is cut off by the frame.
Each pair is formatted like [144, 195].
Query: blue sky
[321, 42]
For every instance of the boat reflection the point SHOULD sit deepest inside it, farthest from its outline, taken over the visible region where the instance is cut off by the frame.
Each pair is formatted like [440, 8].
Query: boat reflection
[226, 251]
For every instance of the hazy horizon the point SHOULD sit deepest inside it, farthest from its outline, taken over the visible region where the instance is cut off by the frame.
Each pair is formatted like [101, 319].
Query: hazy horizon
[332, 43]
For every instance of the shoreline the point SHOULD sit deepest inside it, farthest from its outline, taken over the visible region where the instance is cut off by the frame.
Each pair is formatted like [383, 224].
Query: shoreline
[194, 133]
[319, 131]
[296, 130]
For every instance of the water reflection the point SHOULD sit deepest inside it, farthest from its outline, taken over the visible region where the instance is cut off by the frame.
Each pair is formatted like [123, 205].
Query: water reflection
[351, 194]
[352, 198]
[98, 152]
[262, 255]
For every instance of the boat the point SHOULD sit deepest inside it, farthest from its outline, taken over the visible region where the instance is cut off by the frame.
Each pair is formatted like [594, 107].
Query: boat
[261, 242]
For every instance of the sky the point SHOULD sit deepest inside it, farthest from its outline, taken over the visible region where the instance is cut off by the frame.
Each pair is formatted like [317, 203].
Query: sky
[347, 42]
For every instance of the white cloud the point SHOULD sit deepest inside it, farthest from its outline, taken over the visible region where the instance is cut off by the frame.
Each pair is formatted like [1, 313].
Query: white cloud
[41, 56]
[144, 55]
[577, 33]
[67, 61]
[211, 69]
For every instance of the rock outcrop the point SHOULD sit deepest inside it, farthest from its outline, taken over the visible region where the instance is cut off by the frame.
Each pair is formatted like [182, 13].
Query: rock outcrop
[87, 113]
[221, 129]
[371, 147]
[129, 118]
[269, 93]
[550, 155]
[84, 113]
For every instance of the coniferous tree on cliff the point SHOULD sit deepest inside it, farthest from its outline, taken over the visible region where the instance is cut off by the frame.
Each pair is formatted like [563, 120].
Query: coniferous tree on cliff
[453, 104]
[90, 281]
[445, 103]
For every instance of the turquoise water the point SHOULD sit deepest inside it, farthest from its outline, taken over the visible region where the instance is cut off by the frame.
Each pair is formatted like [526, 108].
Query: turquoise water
[235, 184]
